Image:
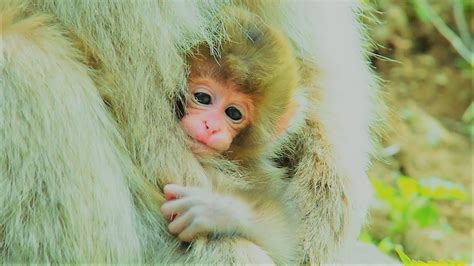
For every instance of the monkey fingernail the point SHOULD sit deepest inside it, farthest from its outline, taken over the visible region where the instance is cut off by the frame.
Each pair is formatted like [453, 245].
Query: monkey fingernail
[170, 196]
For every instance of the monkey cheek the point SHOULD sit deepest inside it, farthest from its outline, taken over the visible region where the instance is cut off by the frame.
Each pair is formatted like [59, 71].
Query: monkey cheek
[197, 134]
[189, 126]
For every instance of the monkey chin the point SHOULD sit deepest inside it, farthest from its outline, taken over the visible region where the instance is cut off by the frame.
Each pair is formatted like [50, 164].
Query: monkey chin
[200, 148]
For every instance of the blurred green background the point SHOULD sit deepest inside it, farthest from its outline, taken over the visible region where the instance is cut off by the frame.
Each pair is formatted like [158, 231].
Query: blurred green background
[423, 176]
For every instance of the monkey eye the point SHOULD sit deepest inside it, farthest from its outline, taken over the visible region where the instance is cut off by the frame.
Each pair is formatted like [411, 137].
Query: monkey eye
[202, 98]
[234, 113]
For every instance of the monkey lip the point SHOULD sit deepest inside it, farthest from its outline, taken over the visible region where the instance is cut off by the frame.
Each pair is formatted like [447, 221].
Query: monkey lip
[200, 142]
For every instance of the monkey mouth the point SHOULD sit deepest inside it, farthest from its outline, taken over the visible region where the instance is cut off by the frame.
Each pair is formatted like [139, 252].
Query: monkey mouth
[199, 141]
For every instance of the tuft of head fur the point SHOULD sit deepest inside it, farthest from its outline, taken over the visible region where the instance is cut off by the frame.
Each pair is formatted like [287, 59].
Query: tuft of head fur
[260, 60]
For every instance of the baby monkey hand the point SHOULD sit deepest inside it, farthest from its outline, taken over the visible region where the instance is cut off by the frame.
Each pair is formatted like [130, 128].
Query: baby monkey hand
[195, 211]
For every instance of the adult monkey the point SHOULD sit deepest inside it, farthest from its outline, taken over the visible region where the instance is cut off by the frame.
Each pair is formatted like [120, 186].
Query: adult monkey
[75, 173]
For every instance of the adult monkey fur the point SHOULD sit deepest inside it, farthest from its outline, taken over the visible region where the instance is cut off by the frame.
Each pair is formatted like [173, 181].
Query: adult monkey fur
[72, 168]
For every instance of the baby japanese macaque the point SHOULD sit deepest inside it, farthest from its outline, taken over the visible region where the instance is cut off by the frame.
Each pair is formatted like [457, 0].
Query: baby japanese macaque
[216, 112]
[238, 103]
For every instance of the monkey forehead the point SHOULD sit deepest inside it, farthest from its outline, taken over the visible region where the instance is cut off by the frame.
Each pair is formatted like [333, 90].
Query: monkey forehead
[203, 64]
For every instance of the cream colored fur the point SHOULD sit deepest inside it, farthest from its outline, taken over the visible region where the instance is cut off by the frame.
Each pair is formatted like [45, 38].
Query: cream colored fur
[86, 115]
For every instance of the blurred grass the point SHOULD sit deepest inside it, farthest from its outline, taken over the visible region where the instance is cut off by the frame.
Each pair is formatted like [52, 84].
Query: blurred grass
[425, 52]
[410, 200]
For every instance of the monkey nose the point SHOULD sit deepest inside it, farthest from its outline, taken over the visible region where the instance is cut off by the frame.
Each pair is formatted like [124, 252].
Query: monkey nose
[210, 128]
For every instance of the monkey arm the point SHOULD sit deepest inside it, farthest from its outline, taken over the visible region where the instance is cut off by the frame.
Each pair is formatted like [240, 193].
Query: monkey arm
[270, 224]
[331, 209]
[258, 218]
[318, 194]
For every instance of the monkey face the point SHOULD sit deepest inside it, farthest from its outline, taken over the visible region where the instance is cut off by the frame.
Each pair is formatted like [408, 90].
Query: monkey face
[215, 113]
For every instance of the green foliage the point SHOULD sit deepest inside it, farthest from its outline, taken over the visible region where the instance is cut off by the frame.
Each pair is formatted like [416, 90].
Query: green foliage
[407, 201]
[387, 245]
[366, 237]
[407, 261]
[468, 116]
[468, 119]
[421, 12]
[461, 40]
[440, 189]
[413, 200]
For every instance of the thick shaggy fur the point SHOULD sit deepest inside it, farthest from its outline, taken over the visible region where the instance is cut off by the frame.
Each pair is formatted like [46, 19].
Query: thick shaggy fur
[87, 124]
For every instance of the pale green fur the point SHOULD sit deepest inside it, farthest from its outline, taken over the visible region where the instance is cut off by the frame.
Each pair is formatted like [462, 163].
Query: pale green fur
[72, 168]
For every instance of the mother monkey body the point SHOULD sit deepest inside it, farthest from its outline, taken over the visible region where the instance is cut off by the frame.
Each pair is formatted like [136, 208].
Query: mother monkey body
[88, 132]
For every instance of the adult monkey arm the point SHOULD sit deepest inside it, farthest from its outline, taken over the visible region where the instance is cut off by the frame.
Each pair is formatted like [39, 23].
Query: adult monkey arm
[47, 199]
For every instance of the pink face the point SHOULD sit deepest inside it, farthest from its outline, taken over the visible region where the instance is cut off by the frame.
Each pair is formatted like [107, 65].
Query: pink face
[215, 114]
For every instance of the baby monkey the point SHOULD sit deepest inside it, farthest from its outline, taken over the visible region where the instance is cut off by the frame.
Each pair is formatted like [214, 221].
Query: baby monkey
[237, 104]
[216, 112]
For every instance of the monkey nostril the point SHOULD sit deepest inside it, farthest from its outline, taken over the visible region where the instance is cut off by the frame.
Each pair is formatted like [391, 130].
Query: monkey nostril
[210, 130]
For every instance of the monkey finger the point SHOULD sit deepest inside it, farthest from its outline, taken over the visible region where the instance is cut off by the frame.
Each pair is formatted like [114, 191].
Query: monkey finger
[173, 216]
[170, 196]
[176, 206]
[181, 191]
[180, 223]
[171, 190]
[194, 229]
